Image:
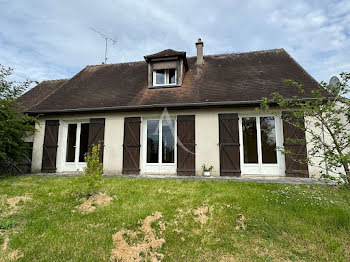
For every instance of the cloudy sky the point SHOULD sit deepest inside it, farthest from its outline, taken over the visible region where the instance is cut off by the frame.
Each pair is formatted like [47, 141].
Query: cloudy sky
[46, 39]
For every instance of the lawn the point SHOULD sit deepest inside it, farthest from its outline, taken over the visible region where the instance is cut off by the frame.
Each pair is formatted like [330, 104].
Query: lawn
[42, 219]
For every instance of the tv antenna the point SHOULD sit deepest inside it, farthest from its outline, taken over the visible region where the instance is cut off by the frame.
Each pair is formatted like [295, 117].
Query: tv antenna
[107, 38]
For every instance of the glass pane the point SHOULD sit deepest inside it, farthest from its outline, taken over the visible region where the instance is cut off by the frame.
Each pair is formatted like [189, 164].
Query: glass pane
[268, 139]
[71, 140]
[171, 76]
[249, 140]
[84, 136]
[152, 141]
[168, 141]
[160, 77]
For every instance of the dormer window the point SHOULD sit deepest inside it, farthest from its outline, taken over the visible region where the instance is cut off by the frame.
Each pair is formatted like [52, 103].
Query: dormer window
[164, 77]
[166, 69]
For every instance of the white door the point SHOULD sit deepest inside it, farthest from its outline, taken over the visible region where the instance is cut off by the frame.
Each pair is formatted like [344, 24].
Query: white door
[75, 145]
[259, 138]
[159, 146]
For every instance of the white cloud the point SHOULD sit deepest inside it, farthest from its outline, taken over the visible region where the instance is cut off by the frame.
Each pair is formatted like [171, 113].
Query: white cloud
[51, 39]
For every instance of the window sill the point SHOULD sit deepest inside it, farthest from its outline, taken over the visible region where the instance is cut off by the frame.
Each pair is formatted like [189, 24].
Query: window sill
[164, 86]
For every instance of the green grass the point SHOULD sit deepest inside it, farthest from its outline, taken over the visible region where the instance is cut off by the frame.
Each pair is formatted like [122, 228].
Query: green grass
[283, 222]
[7, 224]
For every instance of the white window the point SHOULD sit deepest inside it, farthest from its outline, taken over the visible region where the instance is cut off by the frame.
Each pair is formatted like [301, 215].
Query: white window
[159, 146]
[75, 141]
[163, 77]
[259, 138]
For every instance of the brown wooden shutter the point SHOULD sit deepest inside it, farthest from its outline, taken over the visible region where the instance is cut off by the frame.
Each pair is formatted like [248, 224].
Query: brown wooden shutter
[186, 145]
[50, 146]
[131, 146]
[97, 134]
[229, 145]
[297, 149]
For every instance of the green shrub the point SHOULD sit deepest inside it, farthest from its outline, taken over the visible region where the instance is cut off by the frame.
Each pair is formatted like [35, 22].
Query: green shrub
[93, 169]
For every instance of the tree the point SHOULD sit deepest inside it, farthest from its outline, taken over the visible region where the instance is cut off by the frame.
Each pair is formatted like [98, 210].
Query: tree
[93, 170]
[326, 114]
[14, 124]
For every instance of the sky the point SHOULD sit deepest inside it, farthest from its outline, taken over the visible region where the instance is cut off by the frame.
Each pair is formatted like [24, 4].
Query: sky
[46, 39]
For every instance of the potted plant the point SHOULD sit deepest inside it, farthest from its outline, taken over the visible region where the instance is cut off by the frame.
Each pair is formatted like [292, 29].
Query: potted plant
[207, 170]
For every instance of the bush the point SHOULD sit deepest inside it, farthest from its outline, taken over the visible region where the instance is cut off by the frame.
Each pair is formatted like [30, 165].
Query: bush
[93, 170]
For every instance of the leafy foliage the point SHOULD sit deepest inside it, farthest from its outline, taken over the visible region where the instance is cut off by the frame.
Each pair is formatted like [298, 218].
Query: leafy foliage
[327, 122]
[207, 169]
[14, 125]
[93, 170]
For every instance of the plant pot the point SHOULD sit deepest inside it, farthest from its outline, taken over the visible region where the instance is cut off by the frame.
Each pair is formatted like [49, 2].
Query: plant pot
[206, 173]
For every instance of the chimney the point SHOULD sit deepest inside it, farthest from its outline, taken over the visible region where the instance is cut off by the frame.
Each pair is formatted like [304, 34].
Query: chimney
[199, 46]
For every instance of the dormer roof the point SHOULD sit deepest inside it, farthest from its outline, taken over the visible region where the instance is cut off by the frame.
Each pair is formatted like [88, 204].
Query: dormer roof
[165, 53]
[168, 53]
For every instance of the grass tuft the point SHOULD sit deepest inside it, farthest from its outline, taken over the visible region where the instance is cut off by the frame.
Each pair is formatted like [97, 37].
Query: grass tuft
[8, 224]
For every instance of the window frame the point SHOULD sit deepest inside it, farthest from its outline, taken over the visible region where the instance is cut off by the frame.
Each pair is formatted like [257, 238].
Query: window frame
[166, 77]
[260, 168]
[157, 168]
[160, 141]
[62, 165]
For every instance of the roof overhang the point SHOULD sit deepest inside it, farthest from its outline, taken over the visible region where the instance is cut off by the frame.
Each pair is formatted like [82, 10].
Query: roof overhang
[158, 107]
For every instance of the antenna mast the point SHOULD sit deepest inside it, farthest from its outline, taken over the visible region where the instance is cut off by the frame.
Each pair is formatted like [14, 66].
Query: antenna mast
[107, 38]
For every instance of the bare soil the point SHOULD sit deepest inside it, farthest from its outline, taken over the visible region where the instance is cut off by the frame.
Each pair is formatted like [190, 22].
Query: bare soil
[12, 202]
[202, 213]
[240, 223]
[4, 244]
[89, 204]
[15, 255]
[124, 251]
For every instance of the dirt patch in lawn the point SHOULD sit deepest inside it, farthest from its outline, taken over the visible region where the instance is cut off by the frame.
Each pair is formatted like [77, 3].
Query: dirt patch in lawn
[202, 214]
[24, 183]
[15, 255]
[5, 243]
[143, 250]
[13, 201]
[240, 223]
[227, 258]
[89, 204]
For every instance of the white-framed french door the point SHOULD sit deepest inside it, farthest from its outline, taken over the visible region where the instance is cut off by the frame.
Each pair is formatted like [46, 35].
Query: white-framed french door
[74, 145]
[159, 153]
[260, 136]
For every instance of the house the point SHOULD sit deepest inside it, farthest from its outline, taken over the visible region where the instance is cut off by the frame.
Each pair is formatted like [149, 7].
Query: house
[170, 114]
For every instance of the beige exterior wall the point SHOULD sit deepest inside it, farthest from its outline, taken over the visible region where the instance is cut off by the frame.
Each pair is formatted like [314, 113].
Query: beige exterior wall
[316, 167]
[207, 139]
[206, 128]
[38, 146]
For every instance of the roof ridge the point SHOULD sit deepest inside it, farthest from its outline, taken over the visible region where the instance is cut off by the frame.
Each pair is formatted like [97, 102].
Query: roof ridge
[122, 63]
[55, 80]
[246, 52]
[142, 61]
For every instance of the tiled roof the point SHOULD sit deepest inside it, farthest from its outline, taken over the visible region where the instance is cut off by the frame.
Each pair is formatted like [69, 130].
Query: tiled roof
[165, 53]
[40, 92]
[228, 79]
